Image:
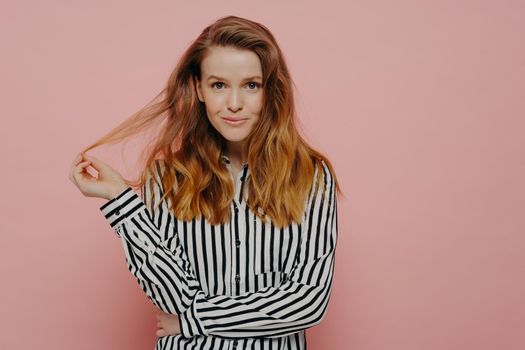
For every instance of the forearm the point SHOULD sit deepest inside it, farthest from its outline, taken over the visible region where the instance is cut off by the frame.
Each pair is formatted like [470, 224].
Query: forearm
[162, 276]
[269, 313]
[162, 273]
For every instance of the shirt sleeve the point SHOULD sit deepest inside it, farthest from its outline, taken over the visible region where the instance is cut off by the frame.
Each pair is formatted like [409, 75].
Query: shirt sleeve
[146, 232]
[299, 302]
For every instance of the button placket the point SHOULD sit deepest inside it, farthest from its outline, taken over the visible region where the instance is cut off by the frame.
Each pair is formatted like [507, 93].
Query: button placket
[237, 246]
[238, 182]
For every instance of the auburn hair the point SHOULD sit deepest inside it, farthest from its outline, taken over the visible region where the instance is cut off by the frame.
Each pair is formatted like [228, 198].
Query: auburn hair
[197, 182]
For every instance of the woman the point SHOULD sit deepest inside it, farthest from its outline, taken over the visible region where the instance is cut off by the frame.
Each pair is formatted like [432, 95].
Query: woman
[234, 233]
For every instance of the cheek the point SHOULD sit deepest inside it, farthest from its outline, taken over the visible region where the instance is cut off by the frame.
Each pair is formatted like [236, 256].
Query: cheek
[256, 103]
[213, 104]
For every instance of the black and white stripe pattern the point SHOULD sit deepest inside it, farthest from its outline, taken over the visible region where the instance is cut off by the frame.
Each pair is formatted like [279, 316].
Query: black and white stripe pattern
[242, 285]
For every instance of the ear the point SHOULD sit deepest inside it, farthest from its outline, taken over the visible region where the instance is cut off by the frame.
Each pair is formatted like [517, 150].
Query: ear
[198, 88]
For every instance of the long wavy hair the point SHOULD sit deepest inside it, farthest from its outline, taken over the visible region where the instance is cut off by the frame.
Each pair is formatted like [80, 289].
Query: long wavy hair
[197, 182]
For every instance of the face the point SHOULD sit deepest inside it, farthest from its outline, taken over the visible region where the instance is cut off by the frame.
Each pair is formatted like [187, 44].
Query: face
[231, 89]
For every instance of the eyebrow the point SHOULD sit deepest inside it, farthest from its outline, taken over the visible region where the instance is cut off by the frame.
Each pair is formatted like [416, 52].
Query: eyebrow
[219, 78]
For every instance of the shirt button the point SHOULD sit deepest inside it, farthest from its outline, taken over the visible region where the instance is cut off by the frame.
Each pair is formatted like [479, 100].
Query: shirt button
[237, 278]
[238, 243]
[235, 208]
[117, 212]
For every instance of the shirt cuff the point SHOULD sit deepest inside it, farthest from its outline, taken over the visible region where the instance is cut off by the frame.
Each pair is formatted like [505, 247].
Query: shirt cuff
[121, 207]
[190, 324]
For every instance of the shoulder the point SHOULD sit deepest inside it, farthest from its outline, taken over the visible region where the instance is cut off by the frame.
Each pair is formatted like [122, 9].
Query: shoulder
[153, 175]
[159, 166]
[323, 184]
[156, 170]
[153, 189]
[161, 173]
[323, 173]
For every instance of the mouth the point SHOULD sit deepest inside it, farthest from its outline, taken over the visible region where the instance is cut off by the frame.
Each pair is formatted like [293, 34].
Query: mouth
[234, 121]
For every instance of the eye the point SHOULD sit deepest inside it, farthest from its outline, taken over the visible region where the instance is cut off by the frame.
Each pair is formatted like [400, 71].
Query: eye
[212, 85]
[257, 85]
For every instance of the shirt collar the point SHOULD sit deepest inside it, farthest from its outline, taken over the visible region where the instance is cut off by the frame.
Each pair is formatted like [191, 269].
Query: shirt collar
[225, 158]
[228, 161]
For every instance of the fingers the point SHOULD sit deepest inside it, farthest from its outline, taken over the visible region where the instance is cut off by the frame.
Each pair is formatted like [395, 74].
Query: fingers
[96, 163]
[77, 159]
[159, 323]
[81, 167]
[73, 167]
[80, 172]
[165, 325]
[160, 331]
[78, 169]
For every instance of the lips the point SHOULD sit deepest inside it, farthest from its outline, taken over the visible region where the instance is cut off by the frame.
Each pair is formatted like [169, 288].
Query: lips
[233, 119]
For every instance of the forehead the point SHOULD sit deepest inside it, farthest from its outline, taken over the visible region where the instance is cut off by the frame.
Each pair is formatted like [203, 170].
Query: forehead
[230, 63]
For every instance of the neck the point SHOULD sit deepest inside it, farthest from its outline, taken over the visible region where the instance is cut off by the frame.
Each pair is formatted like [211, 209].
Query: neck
[236, 152]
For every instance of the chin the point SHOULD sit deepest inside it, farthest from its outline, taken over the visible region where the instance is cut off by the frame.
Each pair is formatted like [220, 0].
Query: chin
[232, 134]
[234, 138]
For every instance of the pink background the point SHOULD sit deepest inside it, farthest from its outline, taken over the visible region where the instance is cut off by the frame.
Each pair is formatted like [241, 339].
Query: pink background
[419, 104]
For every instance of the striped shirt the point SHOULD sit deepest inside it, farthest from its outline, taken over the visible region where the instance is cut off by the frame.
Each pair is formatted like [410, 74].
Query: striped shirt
[244, 284]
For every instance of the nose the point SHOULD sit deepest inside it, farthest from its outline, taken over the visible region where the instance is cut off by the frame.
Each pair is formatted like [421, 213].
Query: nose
[235, 100]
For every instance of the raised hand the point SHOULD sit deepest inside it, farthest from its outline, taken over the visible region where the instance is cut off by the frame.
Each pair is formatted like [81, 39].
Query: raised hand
[108, 183]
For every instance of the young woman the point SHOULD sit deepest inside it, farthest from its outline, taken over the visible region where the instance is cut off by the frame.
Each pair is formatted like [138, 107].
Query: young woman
[234, 233]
